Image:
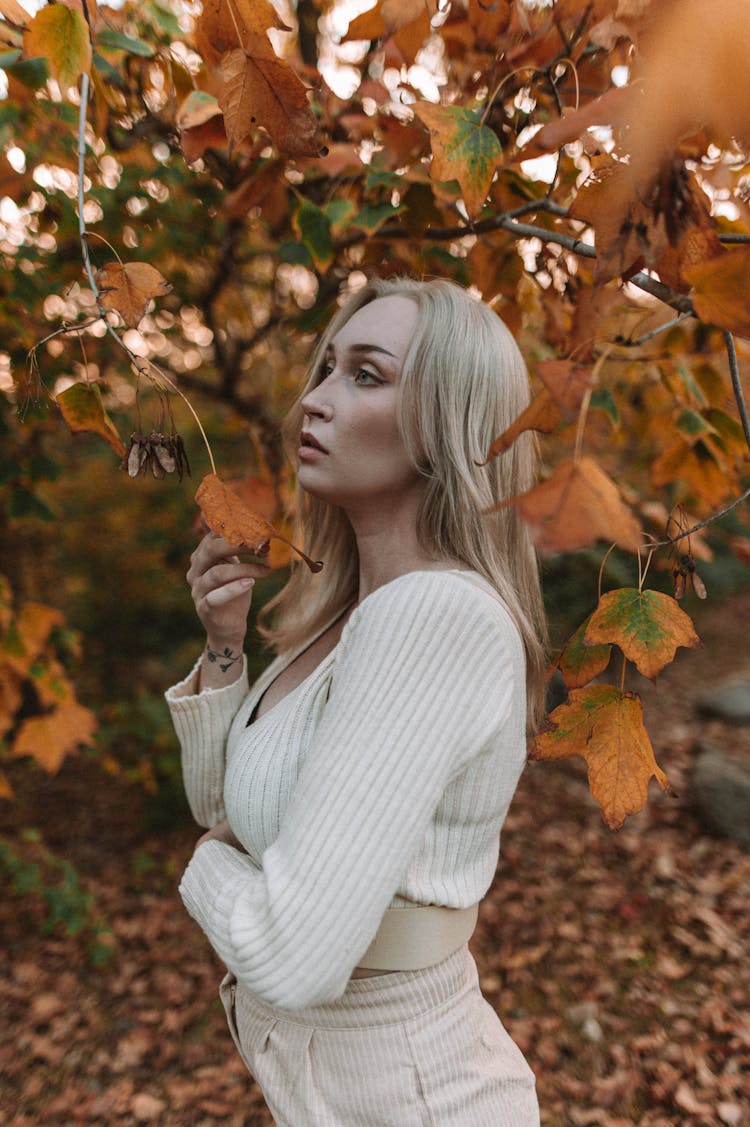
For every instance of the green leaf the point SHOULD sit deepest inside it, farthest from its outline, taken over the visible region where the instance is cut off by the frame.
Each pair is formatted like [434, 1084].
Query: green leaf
[314, 228]
[294, 254]
[382, 178]
[29, 72]
[22, 503]
[339, 212]
[603, 400]
[692, 423]
[115, 41]
[373, 216]
[164, 19]
[83, 410]
[463, 149]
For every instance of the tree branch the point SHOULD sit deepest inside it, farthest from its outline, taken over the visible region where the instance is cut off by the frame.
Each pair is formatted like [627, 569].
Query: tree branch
[701, 524]
[630, 342]
[734, 372]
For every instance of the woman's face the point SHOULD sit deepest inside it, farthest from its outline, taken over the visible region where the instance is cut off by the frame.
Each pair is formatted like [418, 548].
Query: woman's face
[351, 450]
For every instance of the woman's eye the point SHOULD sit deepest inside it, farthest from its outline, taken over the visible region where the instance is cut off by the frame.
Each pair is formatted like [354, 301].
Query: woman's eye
[325, 369]
[362, 376]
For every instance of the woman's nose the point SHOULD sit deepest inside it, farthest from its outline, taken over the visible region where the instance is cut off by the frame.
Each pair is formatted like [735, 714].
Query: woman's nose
[315, 404]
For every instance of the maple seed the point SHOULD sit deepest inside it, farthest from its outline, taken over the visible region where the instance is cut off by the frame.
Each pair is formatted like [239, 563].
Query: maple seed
[163, 453]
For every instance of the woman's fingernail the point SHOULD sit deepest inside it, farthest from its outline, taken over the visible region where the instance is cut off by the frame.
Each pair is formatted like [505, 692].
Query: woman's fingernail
[247, 582]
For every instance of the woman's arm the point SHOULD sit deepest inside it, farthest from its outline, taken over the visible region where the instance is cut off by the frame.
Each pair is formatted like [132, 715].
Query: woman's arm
[424, 681]
[204, 705]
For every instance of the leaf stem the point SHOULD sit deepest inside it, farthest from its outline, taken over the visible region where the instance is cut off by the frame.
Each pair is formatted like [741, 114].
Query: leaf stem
[140, 369]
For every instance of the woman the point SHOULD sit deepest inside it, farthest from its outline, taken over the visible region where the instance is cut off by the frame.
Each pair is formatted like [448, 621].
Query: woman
[357, 791]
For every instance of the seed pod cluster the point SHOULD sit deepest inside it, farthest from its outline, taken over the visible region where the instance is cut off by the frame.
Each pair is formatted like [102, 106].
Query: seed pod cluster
[162, 453]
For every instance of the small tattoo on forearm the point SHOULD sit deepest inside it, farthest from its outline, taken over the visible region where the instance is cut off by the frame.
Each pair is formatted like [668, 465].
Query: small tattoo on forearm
[225, 659]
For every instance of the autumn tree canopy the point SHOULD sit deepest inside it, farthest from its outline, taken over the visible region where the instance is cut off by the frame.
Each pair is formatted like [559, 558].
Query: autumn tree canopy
[187, 191]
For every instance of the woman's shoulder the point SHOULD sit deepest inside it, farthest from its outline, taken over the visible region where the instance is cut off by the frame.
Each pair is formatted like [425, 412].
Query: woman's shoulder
[419, 597]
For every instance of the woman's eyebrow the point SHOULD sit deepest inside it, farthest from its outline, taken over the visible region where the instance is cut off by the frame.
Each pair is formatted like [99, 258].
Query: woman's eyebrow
[359, 348]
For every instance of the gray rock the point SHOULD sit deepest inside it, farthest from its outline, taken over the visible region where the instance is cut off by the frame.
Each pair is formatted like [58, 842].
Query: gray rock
[721, 794]
[729, 701]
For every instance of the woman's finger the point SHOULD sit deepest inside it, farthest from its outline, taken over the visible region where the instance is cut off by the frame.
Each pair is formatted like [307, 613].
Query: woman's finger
[221, 596]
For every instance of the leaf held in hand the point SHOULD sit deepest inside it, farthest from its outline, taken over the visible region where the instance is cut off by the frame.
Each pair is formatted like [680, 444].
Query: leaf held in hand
[606, 727]
[127, 288]
[228, 516]
[648, 626]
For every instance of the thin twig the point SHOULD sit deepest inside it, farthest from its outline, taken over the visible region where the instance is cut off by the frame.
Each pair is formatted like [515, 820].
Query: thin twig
[141, 369]
[633, 343]
[734, 372]
[701, 524]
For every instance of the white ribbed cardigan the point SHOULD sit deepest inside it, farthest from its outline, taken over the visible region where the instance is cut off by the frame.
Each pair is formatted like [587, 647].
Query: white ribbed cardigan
[382, 779]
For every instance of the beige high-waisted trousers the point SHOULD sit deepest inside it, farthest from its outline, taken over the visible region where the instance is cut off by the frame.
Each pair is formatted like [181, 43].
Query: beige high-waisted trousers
[417, 1048]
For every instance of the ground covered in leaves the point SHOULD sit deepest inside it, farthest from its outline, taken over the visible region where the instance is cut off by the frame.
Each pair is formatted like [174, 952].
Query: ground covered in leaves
[617, 961]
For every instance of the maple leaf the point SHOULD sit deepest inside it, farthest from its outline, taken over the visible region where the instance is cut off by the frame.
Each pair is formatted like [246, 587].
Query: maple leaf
[610, 108]
[83, 410]
[576, 506]
[463, 149]
[567, 382]
[648, 626]
[127, 288]
[224, 25]
[580, 663]
[228, 516]
[61, 36]
[605, 726]
[720, 289]
[260, 89]
[11, 696]
[50, 738]
[33, 625]
[541, 415]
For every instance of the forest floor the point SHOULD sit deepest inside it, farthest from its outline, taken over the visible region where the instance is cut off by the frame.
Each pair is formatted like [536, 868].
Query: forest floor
[618, 961]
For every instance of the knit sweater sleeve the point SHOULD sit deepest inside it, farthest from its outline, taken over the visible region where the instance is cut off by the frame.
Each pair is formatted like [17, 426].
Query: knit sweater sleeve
[202, 720]
[424, 680]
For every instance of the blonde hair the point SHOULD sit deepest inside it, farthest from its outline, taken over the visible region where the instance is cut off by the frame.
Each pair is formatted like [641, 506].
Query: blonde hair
[462, 383]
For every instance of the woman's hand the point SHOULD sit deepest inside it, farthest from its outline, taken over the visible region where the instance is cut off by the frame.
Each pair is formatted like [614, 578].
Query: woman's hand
[222, 590]
[221, 832]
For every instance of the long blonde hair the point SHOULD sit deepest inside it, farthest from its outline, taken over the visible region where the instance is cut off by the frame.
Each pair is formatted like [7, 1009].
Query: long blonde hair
[462, 383]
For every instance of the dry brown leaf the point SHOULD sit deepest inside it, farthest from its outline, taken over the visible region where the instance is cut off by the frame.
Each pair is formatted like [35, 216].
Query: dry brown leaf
[260, 89]
[541, 415]
[127, 288]
[228, 516]
[577, 506]
[567, 382]
[720, 290]
[224, 25]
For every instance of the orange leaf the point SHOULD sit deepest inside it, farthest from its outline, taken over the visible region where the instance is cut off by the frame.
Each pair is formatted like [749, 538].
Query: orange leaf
[608, 109]
[128, 287]
[83, 410]
[35, 622]
[580, 663]
[6, 790]
[489, 20]
[463, 149]
[648, 626]
[606, 727]
[12, 11]
[260, 89]
[11, 696]
[48, 739]
[541, 415]
[576, 506]
[228, 516]
[60, 35]
[720, 289]
[407, 20]
[566, 381]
